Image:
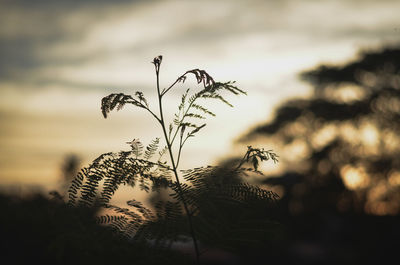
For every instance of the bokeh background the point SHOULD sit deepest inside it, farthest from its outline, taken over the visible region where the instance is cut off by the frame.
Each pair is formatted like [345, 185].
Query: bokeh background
[59, 58]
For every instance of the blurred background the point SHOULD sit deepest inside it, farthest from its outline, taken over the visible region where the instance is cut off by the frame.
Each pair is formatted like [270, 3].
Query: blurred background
[59, 58]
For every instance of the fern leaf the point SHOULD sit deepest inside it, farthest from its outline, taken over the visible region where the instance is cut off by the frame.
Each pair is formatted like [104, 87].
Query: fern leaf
[141, 98]
[192, 133]
[76, 184]
[162, 153]
[151, 149]
[144, 185]
[139, 206]
[203, 109]
[228, 86]
[107, 219]
[119, 100]
[216, 96]
[183, 100]
[194, 115]
[137, 147]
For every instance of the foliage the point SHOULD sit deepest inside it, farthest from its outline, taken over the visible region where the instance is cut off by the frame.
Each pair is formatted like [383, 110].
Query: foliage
[212, 205]
[349, 134]
[38, 230]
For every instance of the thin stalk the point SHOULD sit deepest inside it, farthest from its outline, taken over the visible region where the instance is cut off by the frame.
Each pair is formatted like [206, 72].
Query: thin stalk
[183, 117]
[181, 144]
[174, 167]
[242, 161]
[165, 90]
[179, 152]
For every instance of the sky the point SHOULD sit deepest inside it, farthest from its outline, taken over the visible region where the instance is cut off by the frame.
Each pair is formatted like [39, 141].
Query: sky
[59, 58]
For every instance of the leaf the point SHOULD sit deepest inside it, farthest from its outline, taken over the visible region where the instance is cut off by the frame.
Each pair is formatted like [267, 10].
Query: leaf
[194, 115]
[196, 130]
[183, 100]
[118, 101]
[137, 147]
[203, 109]
[151, 149]
[142, 98]
[162, 152]
[183, 127]
[255, 162]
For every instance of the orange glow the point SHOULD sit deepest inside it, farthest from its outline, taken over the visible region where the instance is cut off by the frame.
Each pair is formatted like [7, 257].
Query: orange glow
[391, 141]
[354, 177]
[297, 150]
[382, 208]
[378, 191]
[345, 93]
[323, 136]
[369, 135]
[394, 178]
[349, 132]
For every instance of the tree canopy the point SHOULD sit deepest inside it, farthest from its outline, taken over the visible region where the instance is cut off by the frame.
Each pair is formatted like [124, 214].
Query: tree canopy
[340, 147]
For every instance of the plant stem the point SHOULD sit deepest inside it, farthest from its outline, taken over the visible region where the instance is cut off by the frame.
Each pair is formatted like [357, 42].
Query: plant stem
[174, 167]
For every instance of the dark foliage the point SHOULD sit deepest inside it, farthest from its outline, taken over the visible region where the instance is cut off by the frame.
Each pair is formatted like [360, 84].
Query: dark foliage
[36, 230]
[336, 190]
[356, 168]
[228, 213]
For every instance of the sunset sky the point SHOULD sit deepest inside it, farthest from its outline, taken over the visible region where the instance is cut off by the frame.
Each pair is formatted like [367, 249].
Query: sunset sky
[59, 58]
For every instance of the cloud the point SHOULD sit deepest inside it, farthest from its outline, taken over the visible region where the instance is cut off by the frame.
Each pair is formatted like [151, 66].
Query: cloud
[31, 31]
[99, 43]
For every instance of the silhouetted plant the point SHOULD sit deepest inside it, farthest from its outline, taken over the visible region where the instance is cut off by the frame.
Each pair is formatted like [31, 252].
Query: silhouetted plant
[205, 200]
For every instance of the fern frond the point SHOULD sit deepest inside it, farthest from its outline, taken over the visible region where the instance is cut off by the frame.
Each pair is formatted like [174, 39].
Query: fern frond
[183, 100]
[144, 185]
[228, 86]
[176, 120]
[107, 219]
[76, 185]
[161, 153]
[118, 100]
[216, 96]
[116, 169]
[201, 77]
[188, 125]
[194, 115]
[151, 149]
[119, 225]
[124, 211]
[196, 130]
[137, 147]
[253, 155]
[141, 208]
[110, 186]
[141, 98]
[203, 109]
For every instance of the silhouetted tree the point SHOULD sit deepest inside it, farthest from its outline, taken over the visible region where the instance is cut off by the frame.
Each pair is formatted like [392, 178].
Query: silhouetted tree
[340, 175]
[341, 147]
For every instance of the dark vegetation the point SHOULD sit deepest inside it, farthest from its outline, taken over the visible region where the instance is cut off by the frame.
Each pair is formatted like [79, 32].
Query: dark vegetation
[341, 195]
[39, 230]
[339, 202]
